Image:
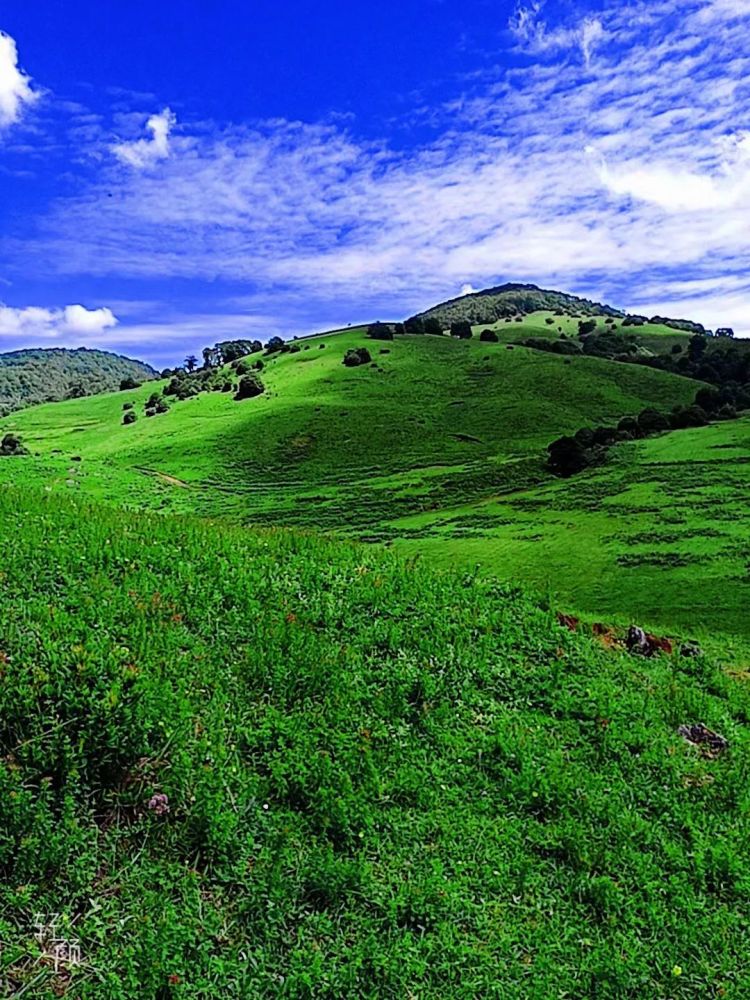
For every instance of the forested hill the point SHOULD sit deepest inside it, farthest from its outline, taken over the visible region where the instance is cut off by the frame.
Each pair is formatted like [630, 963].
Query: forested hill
[46, 375]
[514, 299]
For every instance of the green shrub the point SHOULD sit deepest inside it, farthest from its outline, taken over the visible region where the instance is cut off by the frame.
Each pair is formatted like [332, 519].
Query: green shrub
[12, 445]
[129, 417]
[357, 356]
[249, 387]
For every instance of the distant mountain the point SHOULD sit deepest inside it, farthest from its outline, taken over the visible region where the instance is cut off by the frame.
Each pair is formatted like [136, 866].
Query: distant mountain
[513, 299]
[47, 375]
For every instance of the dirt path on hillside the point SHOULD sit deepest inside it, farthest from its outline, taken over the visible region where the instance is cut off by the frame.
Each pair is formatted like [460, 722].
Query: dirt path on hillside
[164, 477]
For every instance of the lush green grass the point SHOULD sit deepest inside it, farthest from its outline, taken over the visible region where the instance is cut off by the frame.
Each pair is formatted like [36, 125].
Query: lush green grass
[383, 781]
[436, 422]
[659, 534]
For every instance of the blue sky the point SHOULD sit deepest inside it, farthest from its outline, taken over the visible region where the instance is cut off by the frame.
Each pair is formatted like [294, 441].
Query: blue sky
[172, 174]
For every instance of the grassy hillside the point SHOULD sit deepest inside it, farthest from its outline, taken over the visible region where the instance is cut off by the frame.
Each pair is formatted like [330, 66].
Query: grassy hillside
[49, 374]
[659, 534]
[244, 764]
[432, 423]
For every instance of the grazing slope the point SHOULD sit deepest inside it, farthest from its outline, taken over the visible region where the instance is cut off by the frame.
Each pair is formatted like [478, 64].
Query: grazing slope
[659, 534]
[49, 374]
[431, 423]
[247, 764]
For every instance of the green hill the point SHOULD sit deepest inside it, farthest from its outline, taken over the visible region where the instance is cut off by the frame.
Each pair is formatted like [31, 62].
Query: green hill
[658, 535]
[49, 374]
[261, 764]
[513, 299]
[430, 423]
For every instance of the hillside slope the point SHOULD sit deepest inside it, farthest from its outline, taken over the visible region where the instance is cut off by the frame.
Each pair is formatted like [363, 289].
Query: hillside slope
[243, 764]
[49, 374]
[660, 534]
[431, 423]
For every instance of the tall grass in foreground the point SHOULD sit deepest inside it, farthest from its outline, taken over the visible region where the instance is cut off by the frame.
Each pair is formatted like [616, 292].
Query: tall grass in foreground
[263, 764]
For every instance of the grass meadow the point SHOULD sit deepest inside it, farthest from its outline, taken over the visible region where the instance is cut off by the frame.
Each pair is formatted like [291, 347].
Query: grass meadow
[261, 763]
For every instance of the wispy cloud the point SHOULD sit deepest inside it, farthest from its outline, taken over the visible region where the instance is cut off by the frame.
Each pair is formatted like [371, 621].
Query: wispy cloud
[142, 153]
[505, 190]
[536, 36]
[15, 86]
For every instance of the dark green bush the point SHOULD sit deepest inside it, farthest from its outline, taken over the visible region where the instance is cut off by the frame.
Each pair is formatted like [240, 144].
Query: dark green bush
[12, 445]
[249, 387]
[357, 356]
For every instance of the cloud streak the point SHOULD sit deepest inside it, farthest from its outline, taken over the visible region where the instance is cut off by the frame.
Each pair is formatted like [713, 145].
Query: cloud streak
[144, 153]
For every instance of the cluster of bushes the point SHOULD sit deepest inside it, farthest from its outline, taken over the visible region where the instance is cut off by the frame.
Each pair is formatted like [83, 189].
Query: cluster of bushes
[429, 325]
[357, 356]
[686, 325]
[561, 346]
[568, 455]
[387, 331]
[245, 366]
[184, 385]
[156, 403]
[12, 445]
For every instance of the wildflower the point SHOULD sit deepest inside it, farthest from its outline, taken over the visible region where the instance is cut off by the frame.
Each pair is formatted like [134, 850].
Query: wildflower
[159, 804]
[676, 970]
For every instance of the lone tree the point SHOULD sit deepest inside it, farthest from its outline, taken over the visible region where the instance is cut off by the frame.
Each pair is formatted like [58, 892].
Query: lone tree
[250, 386]
[191, 362]
[461, 328]
[211, 357]
[380, 331]
[488, 337]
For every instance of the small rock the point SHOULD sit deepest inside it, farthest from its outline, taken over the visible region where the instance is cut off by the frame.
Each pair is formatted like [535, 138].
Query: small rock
[637, 642]
[690, 649]
[711, 744]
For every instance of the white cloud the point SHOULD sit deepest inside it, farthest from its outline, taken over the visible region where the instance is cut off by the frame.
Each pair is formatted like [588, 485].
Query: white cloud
[143, 153]
[535, 35]
[505, 191]
[15, 85]
[675, 189]
[38, 324]
[592, 33]
[467, 289]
